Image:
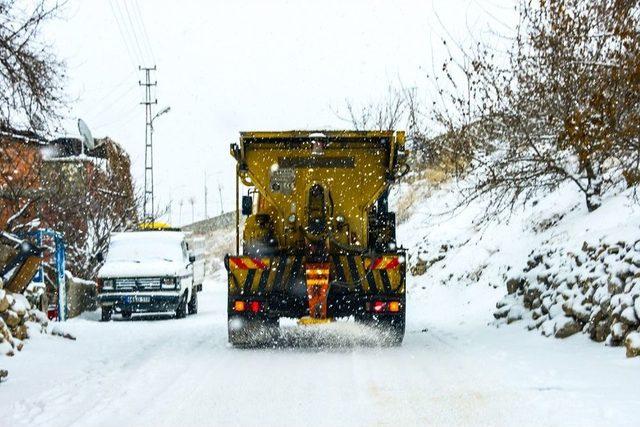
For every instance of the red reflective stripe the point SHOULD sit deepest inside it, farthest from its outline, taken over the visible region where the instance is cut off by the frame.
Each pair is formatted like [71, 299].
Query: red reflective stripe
[239, 263]
[385, 263]
[259, 263]
[393, 263]
[245, 263]
[375, 264]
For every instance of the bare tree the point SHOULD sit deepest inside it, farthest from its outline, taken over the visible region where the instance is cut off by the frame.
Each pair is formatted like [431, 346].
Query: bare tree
[385, 114]
[403, 108]
[30, 74]
[563, 107]
[30, 96]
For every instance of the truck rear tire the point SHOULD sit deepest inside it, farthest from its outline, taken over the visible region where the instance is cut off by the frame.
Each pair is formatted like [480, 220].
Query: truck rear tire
[106, 314]
[395, 328]
[193, 302]
[181, 310]
[245, 333]
[391, 328]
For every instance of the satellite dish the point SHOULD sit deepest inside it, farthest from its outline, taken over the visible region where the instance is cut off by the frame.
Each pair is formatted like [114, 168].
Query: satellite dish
[87, 138]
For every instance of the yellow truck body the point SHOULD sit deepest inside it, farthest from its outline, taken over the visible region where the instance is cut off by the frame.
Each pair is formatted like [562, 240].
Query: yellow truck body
[318, 240]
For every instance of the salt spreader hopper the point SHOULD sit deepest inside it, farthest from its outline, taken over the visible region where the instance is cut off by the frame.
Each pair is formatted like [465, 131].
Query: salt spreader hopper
[318, 242]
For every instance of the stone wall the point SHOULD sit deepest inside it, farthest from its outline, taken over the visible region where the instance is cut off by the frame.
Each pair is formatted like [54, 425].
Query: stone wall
[15, 316]
[594, 290]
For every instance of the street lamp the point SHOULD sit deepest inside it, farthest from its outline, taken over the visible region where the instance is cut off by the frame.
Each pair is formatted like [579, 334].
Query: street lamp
[165, 110]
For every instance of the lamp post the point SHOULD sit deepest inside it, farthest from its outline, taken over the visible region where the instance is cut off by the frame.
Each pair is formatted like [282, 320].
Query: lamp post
[165, 110]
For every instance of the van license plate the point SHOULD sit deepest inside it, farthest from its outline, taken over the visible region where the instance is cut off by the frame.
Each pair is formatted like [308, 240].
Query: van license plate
[134, 299]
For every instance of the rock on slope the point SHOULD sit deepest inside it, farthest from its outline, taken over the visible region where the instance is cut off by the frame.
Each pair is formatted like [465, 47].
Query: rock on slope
[17, 320]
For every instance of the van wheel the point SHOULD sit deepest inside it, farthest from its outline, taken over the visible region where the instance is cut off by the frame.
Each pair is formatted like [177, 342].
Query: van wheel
[126, 314]
[106, 314]
[193, 302]
[181, 311]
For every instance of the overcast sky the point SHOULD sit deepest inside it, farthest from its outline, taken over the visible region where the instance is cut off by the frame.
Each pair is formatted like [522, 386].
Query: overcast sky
[227, 66]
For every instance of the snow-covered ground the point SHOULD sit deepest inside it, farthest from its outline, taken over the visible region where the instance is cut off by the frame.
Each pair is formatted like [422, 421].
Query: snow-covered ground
[452, 370]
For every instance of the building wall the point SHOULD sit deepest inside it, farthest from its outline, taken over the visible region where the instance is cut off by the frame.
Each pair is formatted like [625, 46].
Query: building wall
[83, 199]
[20, 165]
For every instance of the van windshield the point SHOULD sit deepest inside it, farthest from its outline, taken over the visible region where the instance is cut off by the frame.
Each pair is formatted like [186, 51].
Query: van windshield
[145, 249]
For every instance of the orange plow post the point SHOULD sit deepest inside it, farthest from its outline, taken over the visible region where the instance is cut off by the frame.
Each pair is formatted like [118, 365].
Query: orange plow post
[317, 276]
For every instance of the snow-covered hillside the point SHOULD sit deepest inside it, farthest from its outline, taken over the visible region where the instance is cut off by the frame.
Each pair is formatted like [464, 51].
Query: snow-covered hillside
[449, 246]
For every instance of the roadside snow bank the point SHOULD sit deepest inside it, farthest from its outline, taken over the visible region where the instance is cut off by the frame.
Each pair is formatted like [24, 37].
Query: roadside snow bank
[566, 270]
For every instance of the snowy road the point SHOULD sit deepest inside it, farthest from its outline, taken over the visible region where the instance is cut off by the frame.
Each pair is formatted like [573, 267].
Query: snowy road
[452, 370]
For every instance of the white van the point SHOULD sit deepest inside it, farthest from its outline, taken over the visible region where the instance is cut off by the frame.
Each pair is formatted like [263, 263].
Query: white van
[149, 272]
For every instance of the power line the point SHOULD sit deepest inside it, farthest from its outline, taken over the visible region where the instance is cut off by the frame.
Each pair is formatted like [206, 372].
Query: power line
[108, 102]
[134, 32]
[144, 29]
[122, 35]
[125, 117]
[106, 92]
[135, 48]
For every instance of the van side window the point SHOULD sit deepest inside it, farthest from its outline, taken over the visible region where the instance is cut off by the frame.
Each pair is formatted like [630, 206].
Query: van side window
[185, 252]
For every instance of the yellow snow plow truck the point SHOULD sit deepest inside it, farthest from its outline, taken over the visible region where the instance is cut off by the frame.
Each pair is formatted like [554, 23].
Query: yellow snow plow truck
[318, 241]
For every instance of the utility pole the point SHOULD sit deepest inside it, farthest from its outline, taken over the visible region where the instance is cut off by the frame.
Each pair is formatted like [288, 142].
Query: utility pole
[148, 205]
[220, 193]
[206, 214]
[193, 212]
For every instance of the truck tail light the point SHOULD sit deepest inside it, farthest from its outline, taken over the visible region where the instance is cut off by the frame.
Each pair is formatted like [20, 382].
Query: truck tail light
[240, 306]
[255, 306]
[379, 306]
[386, 306]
